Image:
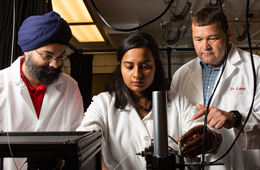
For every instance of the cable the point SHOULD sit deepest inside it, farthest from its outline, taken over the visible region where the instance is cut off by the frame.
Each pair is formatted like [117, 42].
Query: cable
[130, 29]
[23, 164]
[254, 86]
[13, 33]
[7, 133]
[173, 139]
[210, 99]
[175, 39]
[9, 112]
[177, 18]
[189, 160]
[9, 146]
[183, 14]
[254, 90]
[243, 36]
[123, 160]
[171, 149]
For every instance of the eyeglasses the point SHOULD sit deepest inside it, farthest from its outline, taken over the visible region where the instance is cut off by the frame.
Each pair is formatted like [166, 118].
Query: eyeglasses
[50, 58]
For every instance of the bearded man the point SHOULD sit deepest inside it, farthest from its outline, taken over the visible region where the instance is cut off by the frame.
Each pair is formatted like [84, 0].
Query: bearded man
[34, 93]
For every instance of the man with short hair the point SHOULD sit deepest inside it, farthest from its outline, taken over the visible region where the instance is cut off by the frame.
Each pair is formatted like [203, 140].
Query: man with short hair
[34, 93]
[233, 96]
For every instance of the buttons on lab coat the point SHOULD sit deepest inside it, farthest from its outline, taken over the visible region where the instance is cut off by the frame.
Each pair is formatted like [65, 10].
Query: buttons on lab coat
[147, 138]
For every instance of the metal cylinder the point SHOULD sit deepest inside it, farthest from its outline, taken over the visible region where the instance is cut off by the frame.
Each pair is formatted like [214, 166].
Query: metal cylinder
[160, 124]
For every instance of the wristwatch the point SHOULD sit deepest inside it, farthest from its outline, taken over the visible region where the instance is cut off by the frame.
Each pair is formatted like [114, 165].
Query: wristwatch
[237, 116]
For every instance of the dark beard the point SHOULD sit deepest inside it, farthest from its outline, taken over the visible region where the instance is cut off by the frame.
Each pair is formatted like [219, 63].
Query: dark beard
[46, 75]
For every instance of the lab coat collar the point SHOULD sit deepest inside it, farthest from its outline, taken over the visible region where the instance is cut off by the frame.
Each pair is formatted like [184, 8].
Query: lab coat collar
[15, 76]
[128, 107]
[51, 99]
[196, 72]
[134, 117]
[51, 96]
[233, 58]
[233, 55]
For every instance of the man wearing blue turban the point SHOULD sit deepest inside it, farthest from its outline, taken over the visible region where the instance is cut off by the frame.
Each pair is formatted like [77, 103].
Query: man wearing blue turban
[34, 93]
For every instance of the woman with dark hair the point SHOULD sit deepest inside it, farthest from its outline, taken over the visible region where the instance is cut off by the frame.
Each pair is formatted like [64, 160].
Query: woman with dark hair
[124, 94]
[124, 114]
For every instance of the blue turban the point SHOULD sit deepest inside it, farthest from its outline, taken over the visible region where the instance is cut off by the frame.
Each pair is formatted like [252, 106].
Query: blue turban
[39, 30]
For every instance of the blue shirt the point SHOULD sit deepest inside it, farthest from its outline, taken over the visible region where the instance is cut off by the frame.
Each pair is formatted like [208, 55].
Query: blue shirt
[209, 76]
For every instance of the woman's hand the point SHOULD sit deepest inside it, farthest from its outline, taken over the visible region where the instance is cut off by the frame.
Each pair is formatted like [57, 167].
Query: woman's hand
[193, 141]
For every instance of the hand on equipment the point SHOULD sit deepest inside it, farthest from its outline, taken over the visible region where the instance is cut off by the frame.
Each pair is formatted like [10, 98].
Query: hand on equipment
[193, 140]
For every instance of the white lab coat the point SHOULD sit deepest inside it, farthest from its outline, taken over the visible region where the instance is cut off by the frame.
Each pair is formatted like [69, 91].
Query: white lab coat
[234, 92]
[125, 133]
[62, 107]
